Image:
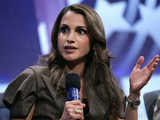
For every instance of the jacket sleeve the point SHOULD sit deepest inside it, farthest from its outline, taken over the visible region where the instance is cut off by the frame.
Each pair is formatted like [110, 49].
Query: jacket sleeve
[20, 94]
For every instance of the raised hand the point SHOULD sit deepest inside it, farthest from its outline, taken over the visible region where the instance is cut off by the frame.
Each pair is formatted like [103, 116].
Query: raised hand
[139, 77]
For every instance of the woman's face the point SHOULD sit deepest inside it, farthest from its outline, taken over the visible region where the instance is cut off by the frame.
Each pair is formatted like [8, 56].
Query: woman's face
[73, 37]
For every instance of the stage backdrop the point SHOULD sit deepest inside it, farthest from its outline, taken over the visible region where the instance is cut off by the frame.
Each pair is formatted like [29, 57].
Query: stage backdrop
[132, 29]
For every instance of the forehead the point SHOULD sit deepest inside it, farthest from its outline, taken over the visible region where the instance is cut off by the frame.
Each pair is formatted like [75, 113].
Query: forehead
[72, 18]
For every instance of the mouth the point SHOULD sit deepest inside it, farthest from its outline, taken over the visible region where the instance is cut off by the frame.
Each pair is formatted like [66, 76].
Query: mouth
[69, 49]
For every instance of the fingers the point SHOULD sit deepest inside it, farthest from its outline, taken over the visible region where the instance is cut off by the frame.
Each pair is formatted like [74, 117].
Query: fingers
[153, 63]
[139, 62]
[74, 109]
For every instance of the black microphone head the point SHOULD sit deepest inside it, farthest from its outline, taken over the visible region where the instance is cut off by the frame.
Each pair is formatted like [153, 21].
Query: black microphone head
[72, 80]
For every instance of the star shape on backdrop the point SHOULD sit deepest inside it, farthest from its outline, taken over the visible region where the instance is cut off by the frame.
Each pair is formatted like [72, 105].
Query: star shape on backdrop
[112, 16]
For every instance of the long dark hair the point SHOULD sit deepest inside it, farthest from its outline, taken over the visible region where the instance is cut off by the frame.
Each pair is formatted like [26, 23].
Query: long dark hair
[103, 92]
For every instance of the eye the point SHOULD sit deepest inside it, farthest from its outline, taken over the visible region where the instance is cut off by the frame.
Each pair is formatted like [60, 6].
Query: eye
[81, 31]
[64, 29]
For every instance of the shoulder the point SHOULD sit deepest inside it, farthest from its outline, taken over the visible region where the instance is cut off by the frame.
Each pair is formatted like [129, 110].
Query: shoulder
[29, 73]
[31, 77]
[24, 83]
[39, 69]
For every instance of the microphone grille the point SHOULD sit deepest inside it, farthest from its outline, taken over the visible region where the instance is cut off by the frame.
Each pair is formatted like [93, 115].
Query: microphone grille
[72, 80]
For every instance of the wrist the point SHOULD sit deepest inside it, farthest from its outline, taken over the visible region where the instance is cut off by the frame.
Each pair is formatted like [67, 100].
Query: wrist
[134, 100]
[134, 95]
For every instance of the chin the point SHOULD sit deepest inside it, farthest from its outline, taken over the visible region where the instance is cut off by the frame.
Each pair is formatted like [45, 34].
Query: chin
[75, 59]
[69, 59]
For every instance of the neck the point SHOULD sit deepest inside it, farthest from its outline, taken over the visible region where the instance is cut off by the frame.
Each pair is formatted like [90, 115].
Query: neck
[78, 68]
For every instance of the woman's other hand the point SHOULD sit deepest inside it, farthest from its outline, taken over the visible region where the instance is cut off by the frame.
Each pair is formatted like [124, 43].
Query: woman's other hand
[140, 77]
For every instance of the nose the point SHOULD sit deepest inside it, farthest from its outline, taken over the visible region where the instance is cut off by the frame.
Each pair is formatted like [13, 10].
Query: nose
[70, 41]
[71, 37]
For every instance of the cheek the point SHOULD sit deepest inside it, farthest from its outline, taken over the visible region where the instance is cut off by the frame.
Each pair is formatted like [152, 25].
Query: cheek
[60, 41]
[86, 45]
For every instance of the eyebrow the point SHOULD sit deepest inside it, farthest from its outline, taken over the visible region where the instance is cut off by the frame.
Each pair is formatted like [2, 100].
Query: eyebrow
[65, 25]
[82, 27]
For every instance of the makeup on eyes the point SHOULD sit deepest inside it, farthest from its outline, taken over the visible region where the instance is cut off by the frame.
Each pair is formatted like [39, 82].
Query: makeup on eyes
[79, 29]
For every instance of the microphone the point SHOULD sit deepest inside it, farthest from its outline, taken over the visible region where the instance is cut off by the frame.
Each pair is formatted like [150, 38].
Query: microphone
[72, 82]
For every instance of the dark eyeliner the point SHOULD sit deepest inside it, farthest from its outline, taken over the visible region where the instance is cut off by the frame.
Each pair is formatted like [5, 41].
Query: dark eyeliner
[63, 28]
[80, 30]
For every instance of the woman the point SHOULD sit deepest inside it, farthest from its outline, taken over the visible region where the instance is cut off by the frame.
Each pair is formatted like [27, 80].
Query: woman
[78, 46]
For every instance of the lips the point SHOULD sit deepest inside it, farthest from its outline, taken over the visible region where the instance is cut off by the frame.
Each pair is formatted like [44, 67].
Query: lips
[69, 49]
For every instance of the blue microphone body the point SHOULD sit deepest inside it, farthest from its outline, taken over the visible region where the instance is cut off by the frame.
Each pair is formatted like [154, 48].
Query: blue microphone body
[73, 86]
[73, 94]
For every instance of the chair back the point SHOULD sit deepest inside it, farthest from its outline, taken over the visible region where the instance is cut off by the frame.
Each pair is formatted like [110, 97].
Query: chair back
[4, 112]
[150, 100]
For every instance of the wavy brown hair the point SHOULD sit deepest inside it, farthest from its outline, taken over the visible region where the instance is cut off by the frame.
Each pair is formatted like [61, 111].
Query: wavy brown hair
[103, 92]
